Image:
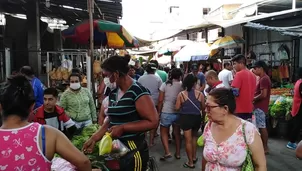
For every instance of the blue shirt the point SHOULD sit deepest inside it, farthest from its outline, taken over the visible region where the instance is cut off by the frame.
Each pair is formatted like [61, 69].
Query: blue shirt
[136, 77]
[38, 92]
[201, 78]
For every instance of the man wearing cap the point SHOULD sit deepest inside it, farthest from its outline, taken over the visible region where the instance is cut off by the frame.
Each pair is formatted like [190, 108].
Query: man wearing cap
[162, 74]
[261, 100]
[200, 76]
[138, 69]
[152, 83]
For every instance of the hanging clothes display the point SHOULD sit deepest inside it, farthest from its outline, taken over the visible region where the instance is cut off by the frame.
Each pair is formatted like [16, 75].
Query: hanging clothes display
[275, 74]
[283, 71]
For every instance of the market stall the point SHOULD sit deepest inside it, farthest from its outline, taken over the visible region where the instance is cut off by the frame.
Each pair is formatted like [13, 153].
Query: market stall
[60, 65]
[78, 140]
[104, 156]
[281, 100]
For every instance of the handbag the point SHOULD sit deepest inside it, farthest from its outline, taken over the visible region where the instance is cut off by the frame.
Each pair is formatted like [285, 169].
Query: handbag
[248, 163]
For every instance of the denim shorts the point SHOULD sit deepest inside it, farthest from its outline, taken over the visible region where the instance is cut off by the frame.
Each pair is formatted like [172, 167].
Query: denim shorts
[167, 119]
[260, 118]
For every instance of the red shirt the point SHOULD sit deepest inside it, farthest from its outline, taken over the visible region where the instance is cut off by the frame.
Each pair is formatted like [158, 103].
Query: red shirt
[245, 81]
[264, 83]
[297, 98]
[38, 115]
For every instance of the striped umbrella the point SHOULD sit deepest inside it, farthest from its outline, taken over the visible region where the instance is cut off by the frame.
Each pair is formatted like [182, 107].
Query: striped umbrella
[174, 46]
[213, 51]
[106, 33]
[227, 41]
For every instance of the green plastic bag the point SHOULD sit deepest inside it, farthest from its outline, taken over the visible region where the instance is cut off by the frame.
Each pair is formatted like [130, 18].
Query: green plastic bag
[105, 146]
[200, 141]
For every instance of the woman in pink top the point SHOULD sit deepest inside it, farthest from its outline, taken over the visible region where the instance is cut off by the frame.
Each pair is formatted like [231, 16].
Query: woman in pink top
[30, 146]
[225, 148]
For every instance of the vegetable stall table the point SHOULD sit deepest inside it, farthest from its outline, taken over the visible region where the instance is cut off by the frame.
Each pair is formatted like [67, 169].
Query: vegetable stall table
[82, 135]
[279, 111]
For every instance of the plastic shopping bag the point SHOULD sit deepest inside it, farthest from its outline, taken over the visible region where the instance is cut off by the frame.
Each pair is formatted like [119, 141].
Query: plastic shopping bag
[105, 145]
[200, 141]
[59, 164]
[118, 149]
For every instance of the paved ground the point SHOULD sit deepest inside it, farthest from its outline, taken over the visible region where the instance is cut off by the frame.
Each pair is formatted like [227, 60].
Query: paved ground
[279, 159]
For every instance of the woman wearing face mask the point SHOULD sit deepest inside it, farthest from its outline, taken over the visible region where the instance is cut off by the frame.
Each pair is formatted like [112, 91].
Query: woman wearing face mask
[131, 113]
[78, 102]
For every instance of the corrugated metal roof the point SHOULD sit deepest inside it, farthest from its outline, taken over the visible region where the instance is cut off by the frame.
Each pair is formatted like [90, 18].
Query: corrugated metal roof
[72, 11]
[229, 23]
[289, 31]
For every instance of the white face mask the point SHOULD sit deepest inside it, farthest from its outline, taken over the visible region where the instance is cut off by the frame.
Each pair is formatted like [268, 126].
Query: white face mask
[75, 86]
[109, 84]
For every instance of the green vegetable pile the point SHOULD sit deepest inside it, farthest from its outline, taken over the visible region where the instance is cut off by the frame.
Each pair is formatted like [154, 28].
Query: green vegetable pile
[81, 137]
[281, 107]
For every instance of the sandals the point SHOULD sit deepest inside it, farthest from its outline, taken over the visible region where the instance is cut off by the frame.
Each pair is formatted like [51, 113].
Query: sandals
[186, 165]
[195, 161]
[176, 156]
[165, 157]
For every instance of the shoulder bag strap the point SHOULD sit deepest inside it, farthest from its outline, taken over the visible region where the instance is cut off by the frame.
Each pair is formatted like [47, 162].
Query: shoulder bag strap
[190, 101]
[245, 140]
[243, 131]
[43, 140]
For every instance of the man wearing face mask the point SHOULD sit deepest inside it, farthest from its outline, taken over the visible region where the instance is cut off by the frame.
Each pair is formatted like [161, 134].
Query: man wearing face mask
[78, 103]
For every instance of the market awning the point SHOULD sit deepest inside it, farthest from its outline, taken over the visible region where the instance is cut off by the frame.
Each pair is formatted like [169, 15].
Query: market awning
[142, 52]
[236, 21]
[289, 31]
[164, 60]
[162, 35]
[196, 28]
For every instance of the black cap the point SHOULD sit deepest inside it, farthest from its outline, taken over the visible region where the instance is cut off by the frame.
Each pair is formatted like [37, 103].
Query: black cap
[151, 67]
[260, 64]
[194, 67]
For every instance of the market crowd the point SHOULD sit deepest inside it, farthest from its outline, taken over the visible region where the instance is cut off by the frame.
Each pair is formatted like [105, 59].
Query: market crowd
[229, 107]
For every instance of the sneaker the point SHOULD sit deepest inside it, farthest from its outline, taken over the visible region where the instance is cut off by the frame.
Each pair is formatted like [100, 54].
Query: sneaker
[292, 146]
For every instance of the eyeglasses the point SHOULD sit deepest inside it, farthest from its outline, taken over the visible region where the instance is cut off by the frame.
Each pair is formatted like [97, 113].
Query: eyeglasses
[209, 108]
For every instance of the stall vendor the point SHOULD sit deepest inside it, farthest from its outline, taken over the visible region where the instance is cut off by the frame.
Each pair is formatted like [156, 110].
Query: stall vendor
[131, 114]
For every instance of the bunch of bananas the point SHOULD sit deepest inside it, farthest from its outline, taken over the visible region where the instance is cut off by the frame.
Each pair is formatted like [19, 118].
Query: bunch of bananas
[97, 70]
[59, 74]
